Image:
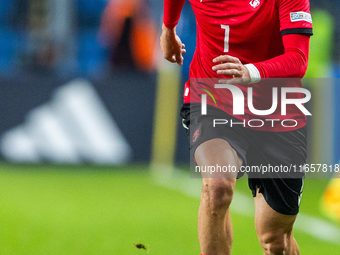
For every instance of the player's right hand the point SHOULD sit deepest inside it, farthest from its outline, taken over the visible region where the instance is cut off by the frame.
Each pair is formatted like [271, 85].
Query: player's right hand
[172, 46]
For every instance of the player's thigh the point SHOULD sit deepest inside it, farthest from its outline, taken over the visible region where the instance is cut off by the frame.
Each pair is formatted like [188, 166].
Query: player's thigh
[218, 186]
[210, 143]
[271, 226]
[219, 152]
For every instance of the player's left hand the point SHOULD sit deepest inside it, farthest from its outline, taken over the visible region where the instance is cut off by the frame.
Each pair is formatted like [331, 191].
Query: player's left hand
[232, 66]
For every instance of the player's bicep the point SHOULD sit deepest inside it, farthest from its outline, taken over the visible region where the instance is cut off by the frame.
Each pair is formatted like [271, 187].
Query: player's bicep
[295, 17]
[297, 49]
[298, 42]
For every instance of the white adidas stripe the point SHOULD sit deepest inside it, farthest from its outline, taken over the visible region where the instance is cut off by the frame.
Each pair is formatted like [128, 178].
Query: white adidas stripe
[72, 127]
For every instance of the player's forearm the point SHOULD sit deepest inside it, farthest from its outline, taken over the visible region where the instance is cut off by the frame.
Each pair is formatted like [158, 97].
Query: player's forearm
[292, 64]
[172, 12]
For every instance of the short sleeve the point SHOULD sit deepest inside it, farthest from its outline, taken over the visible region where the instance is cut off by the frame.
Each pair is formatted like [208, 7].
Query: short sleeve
[295, 17]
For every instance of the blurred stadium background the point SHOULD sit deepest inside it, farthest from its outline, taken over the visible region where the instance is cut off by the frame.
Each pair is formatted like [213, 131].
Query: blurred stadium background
[93, 158]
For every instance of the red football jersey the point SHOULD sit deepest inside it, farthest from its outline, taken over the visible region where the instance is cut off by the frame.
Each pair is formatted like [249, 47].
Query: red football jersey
[252, 31]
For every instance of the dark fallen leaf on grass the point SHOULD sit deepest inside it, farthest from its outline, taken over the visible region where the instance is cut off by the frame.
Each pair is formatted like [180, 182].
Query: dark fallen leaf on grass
[140, 246]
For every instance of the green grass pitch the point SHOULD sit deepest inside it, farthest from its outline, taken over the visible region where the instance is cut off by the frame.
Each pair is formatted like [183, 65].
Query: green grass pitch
[100, 210]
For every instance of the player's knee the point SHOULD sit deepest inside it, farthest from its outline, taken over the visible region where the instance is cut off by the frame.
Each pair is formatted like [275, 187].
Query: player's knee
[218, 193]
[274, 249]
[273, 243]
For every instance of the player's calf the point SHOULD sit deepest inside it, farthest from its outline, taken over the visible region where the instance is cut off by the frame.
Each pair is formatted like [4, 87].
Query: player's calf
[214, 222]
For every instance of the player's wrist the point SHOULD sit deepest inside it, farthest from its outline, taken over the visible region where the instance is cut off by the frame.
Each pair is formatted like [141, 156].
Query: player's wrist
[254, 73]
[168, 30]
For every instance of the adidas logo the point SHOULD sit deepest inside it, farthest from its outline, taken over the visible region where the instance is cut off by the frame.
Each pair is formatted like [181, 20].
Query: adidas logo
[73, 127]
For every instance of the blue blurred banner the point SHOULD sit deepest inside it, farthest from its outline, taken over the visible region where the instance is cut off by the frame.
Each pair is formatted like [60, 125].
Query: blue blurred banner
[45, 118]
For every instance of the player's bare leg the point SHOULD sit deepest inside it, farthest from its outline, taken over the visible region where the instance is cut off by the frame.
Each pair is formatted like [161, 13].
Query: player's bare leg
[214, 221]
[274, 230]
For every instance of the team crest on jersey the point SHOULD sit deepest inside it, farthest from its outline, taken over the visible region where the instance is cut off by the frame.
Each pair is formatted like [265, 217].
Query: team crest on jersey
[254, 3]
[196, 135]
[300, 16]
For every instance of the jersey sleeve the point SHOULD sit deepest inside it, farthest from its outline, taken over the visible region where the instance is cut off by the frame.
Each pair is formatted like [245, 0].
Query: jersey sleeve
[172, 12]
[292, 64]
[295, 17]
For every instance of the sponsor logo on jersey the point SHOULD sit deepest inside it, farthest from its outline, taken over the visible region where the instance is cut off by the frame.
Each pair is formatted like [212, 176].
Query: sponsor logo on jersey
[254, 3]
[300, 16]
